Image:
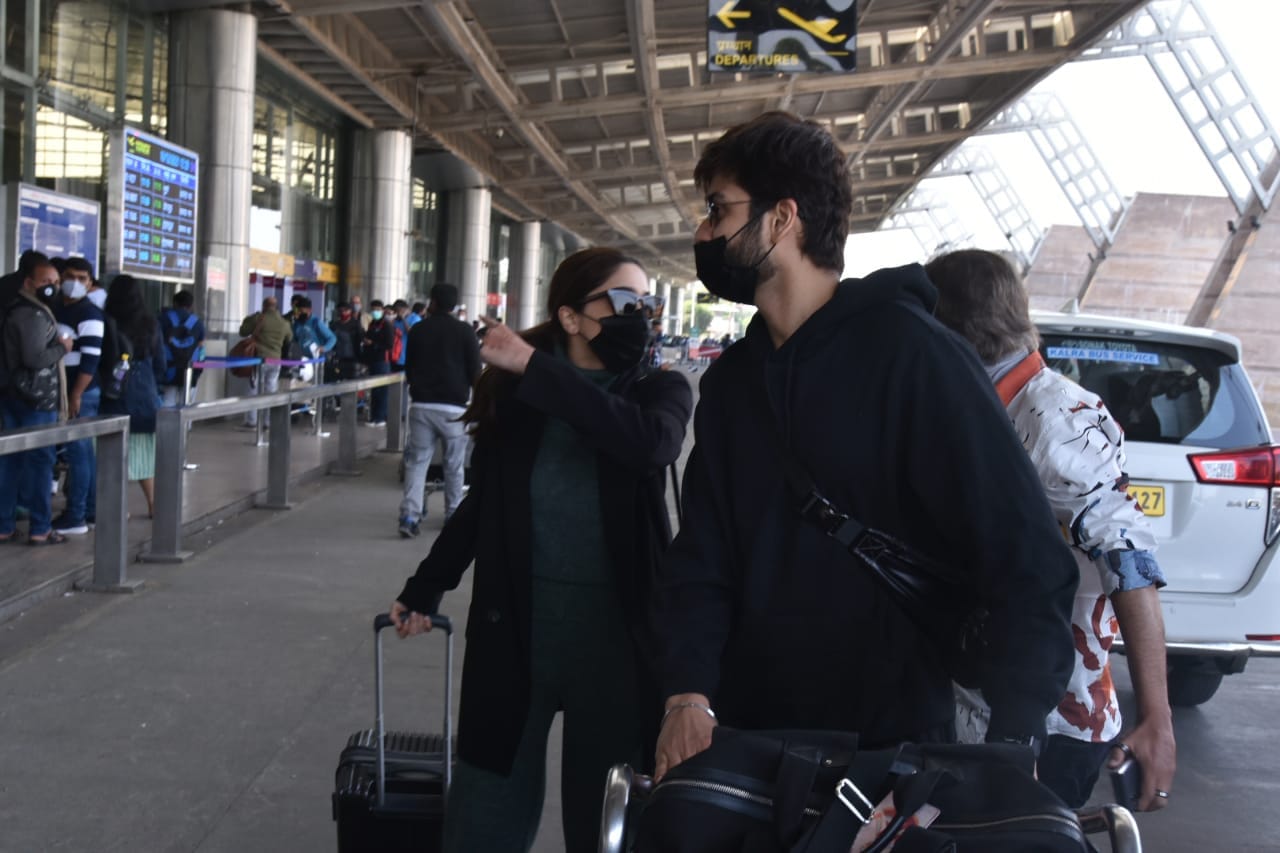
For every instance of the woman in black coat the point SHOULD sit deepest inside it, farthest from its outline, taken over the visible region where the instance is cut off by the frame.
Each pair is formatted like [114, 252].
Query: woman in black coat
[566, 521]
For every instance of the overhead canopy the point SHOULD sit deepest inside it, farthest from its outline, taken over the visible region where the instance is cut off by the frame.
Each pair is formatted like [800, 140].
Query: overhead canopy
[592, 113]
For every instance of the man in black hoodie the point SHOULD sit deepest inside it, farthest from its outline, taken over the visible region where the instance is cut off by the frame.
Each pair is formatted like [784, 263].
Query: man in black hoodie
[768, 623]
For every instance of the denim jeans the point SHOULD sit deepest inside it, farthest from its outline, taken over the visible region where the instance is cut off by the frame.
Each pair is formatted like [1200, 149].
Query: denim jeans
[378, 396]
[270, 385]
[1070, 767]
[31, 467]
[82, 472]
[427, 423]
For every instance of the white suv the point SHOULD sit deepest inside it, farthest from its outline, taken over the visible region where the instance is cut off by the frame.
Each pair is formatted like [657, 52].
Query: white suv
[1202, 464]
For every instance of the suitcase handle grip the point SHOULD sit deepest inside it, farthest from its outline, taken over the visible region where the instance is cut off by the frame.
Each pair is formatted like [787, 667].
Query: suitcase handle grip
[383, 620]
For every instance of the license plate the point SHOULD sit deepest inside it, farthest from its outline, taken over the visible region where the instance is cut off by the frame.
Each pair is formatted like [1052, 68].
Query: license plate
[1150, 498]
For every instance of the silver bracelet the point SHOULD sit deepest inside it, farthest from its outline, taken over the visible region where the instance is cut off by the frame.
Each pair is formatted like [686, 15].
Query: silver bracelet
[710, 713]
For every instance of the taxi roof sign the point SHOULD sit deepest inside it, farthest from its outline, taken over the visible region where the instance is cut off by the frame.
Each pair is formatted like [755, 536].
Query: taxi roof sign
[781, 35]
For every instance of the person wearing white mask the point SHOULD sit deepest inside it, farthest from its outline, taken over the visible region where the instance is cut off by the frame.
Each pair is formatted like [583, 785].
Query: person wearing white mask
[84, 322]
[86, 325]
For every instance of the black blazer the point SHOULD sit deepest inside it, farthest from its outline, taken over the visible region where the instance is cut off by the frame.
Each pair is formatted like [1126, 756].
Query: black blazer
[636, 427]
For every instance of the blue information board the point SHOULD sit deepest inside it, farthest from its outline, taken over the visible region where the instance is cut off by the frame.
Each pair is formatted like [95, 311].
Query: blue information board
[158, 220]
[60, 226]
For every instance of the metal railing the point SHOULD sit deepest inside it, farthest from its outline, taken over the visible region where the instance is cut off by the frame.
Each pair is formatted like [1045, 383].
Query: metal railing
[111, 534]
[171, 448]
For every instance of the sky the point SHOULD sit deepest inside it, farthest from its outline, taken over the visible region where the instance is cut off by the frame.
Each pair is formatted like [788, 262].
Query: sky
[1128, 120]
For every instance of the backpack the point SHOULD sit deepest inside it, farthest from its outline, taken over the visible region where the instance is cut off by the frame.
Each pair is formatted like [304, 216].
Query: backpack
[179, 344]
[114, 345]
[397, 343]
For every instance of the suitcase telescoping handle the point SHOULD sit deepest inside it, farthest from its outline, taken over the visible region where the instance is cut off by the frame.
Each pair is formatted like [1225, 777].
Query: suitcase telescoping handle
[438, 622]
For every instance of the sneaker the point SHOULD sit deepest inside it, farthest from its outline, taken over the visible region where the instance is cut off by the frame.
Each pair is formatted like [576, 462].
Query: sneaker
[409, 528]
[377, 423]
[70, 526]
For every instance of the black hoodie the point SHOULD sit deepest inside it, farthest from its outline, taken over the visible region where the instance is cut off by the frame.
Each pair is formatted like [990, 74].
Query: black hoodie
[895, 420]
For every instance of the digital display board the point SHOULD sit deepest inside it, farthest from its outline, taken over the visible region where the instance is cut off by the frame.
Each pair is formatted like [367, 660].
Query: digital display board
[60, 226]
[159, 193]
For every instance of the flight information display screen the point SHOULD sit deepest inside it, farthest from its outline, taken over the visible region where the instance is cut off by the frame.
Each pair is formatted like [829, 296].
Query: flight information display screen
[158, 222]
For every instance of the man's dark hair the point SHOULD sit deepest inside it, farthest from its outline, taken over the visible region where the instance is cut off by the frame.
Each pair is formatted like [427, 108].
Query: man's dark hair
[342, 305]
[184, 299]
[377, 303]
[31, 261]
[418, 307]
[78, 265]
[981, 296]
[777, 156]
[399, 303]
[304, 302]
[445, 297]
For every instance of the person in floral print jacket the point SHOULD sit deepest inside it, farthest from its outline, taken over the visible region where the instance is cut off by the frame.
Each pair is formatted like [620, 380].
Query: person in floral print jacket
[1078, 449]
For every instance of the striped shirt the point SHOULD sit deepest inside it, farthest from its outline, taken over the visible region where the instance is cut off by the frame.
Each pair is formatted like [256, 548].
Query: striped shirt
[87, 324]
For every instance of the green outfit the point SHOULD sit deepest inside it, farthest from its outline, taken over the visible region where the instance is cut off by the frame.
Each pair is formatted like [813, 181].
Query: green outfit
[274, 333]
[583, 663]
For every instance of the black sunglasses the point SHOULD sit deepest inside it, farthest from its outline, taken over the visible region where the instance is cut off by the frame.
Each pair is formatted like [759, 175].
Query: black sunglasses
[629, 302]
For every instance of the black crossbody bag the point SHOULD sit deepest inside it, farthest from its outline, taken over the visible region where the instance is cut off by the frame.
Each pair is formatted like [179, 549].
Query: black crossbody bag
[936, 597]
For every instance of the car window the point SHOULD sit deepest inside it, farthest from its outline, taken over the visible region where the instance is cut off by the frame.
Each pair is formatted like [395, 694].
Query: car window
[1163, 392]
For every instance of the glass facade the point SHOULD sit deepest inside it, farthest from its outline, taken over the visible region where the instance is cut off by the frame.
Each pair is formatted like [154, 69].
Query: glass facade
[499, 264]
[295, 164]
[427, 239]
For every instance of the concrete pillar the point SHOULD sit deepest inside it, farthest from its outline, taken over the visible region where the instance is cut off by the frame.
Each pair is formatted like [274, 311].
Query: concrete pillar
[469, 215]
[212, 67]
[381, 196]
[524, 302]
[668, 309]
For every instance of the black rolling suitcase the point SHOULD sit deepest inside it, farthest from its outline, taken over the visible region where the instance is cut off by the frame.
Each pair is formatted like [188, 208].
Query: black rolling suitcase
[390, 788]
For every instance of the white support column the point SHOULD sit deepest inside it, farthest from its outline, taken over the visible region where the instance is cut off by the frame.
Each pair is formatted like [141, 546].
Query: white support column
[213, 55]
[381, 196]
[667, 312]
[472, 208]
[523, 304]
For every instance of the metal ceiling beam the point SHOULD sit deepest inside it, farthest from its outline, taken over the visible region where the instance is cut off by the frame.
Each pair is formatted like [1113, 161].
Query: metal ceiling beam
[949, 26]
[644, 40]
[449, 21]
[757, 90]
[317, 88]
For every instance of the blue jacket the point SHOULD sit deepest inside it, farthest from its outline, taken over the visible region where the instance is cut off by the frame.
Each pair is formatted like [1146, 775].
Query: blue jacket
[313, 330]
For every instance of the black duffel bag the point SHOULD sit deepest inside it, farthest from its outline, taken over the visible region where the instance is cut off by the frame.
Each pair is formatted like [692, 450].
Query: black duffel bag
[810, 792]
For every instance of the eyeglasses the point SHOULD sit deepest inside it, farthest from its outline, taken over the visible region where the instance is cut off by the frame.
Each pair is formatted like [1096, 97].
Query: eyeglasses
[628, 302]
[715, 208]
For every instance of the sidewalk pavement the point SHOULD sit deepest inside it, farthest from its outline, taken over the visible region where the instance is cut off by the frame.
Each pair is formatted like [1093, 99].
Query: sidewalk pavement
[232, 469]
[206, 712]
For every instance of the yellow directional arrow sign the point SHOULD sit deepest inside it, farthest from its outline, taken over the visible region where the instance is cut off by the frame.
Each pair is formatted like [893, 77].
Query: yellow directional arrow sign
[818, 27]
[726, 14]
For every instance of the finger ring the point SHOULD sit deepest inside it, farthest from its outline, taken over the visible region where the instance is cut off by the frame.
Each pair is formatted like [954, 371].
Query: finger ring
[1124, 747]
[1164, 795]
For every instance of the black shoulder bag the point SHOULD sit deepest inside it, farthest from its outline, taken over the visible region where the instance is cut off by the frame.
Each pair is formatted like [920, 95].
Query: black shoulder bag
[939, 599]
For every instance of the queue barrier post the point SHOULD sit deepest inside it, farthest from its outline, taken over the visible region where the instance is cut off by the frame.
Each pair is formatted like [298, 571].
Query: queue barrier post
[345, 466]
[171, 467]
[395, 417]
[278, 457]
[111, 540]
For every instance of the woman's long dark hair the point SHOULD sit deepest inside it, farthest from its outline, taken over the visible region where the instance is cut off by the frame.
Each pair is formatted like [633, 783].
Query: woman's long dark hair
[124, 305]
[577, 275]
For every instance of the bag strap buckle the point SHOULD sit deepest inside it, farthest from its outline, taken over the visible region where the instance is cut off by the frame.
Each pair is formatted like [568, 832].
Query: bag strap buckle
[845, 788]
[822, 512]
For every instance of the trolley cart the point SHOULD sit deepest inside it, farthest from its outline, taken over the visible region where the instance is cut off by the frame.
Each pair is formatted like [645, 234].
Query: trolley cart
[625, 791]
[390, 787]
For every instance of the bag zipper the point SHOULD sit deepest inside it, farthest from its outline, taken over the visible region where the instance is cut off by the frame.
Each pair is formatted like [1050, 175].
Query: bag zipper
[728, 791]
[992, 824]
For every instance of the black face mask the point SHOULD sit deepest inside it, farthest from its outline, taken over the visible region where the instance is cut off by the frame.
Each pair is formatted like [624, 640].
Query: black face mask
[622, 341]
[726, 280]
[47, 294]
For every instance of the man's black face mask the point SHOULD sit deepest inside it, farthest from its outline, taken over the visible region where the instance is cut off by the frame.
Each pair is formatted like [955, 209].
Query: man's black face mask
[724, 279]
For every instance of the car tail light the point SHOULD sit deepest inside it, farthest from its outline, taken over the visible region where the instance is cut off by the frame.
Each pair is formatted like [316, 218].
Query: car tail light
[1262, 637]
[1251, 466]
